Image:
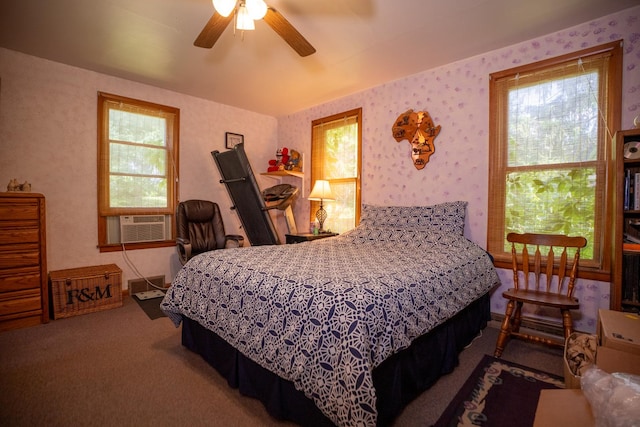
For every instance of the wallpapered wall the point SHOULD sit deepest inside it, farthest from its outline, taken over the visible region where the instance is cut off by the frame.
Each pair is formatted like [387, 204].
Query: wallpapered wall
[457, 98]
[48, 137]
[48, 134]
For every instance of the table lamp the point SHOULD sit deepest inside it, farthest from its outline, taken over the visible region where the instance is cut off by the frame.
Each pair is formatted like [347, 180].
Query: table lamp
[321, 191]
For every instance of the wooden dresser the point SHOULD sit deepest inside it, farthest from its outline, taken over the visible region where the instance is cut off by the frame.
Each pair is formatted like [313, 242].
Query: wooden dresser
[23, 261]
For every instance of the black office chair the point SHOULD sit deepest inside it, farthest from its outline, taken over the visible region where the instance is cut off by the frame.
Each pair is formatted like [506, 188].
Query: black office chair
[199, 229]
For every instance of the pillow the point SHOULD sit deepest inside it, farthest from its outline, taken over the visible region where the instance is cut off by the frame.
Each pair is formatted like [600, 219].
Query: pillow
[448, 217]
[407, 238]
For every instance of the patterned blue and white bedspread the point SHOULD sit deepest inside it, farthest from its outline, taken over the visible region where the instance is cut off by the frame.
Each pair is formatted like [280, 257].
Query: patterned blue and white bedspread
[323, 314]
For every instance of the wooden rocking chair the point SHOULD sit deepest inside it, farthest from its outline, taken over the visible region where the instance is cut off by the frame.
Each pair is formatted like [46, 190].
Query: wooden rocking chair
[542, 291]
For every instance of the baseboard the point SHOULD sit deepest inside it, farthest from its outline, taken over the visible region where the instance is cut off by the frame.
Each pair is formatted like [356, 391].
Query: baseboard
[532, 324]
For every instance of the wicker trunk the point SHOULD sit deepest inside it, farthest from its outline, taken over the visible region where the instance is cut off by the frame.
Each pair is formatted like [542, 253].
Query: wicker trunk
[85, 290]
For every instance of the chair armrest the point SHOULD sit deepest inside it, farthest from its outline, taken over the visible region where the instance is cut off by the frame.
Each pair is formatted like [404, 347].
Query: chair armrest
[235, 238]
[183, 246]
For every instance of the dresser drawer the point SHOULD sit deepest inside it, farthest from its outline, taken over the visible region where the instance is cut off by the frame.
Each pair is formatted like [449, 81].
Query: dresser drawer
[21, 258]
[17, 209]
[19, 235]
[20, 282]
[12, 303]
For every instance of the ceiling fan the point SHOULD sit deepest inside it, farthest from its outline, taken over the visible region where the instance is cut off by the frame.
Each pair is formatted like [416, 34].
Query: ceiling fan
[245, 12]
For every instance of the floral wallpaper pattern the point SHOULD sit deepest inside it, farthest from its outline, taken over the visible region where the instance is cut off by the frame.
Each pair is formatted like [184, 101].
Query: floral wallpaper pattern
[456, 96]
[48, 137]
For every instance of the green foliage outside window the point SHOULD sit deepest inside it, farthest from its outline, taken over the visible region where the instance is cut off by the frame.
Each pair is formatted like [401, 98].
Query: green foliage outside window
[138, 160]
[341, 152]
[552, 202]
[340, 168]
[553, 146]
[341, 163]
[551, 124]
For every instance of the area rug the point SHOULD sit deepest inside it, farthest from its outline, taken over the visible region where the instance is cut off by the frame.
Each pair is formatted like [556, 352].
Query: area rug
[151, 307]
[498, 393]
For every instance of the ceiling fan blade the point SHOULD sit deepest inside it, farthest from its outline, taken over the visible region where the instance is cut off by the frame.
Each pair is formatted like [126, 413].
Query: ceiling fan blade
[284, 28]
[212, 31]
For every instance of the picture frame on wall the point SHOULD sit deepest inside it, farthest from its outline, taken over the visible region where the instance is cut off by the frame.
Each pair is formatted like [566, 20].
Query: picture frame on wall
[232, 139]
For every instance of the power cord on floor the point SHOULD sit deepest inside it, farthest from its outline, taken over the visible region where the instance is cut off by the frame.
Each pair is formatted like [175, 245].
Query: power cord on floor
[131, 265]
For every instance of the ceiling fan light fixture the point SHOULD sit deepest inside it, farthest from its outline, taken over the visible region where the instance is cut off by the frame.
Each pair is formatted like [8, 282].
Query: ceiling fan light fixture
[257, 9]
[243, 19]
[224, 7]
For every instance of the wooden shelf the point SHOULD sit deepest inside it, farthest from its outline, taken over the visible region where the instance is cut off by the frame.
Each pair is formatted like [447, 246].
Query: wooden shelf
[631, 303]
[624, 286]
[284, 173]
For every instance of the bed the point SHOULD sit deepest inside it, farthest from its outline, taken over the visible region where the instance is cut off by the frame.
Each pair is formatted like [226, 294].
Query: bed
[345, 330]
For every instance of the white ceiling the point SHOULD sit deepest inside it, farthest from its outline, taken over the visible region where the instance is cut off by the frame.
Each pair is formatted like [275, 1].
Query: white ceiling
[359, 43]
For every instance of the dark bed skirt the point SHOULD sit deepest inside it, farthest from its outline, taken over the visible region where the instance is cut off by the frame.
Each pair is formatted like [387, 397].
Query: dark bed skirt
[398, 380]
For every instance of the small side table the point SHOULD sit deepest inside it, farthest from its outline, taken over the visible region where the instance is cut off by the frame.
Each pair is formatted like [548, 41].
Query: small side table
[307, 237]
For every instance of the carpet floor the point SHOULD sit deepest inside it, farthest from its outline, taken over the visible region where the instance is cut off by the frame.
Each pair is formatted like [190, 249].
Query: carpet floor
[120, 368]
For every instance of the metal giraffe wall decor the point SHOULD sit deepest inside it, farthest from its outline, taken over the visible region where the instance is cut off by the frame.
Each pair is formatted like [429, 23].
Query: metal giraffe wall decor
[417, 128]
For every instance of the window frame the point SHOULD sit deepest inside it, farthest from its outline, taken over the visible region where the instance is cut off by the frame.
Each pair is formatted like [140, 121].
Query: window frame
[316, 173]
[600, 267]
[173, 133]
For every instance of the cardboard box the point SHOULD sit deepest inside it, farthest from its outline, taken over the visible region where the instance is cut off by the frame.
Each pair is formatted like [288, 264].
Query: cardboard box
[619, 330]
[611, 360]
[608, 359]
[566, 408]
[84, 290]
[571, 379]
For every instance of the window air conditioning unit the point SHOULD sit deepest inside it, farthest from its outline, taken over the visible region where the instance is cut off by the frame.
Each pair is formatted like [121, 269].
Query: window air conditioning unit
[141, 228]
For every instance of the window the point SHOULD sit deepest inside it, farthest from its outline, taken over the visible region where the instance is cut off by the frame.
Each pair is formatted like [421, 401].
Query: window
[551, 126]
[335, 157]
[137, 172]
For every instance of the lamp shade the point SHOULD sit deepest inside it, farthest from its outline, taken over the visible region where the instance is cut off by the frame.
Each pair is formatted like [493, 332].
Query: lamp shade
[321, 191]
[224, 7]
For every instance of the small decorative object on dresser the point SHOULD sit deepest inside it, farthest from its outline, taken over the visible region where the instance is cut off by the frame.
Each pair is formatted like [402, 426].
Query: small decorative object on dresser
[232, 139]
[14, 185]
